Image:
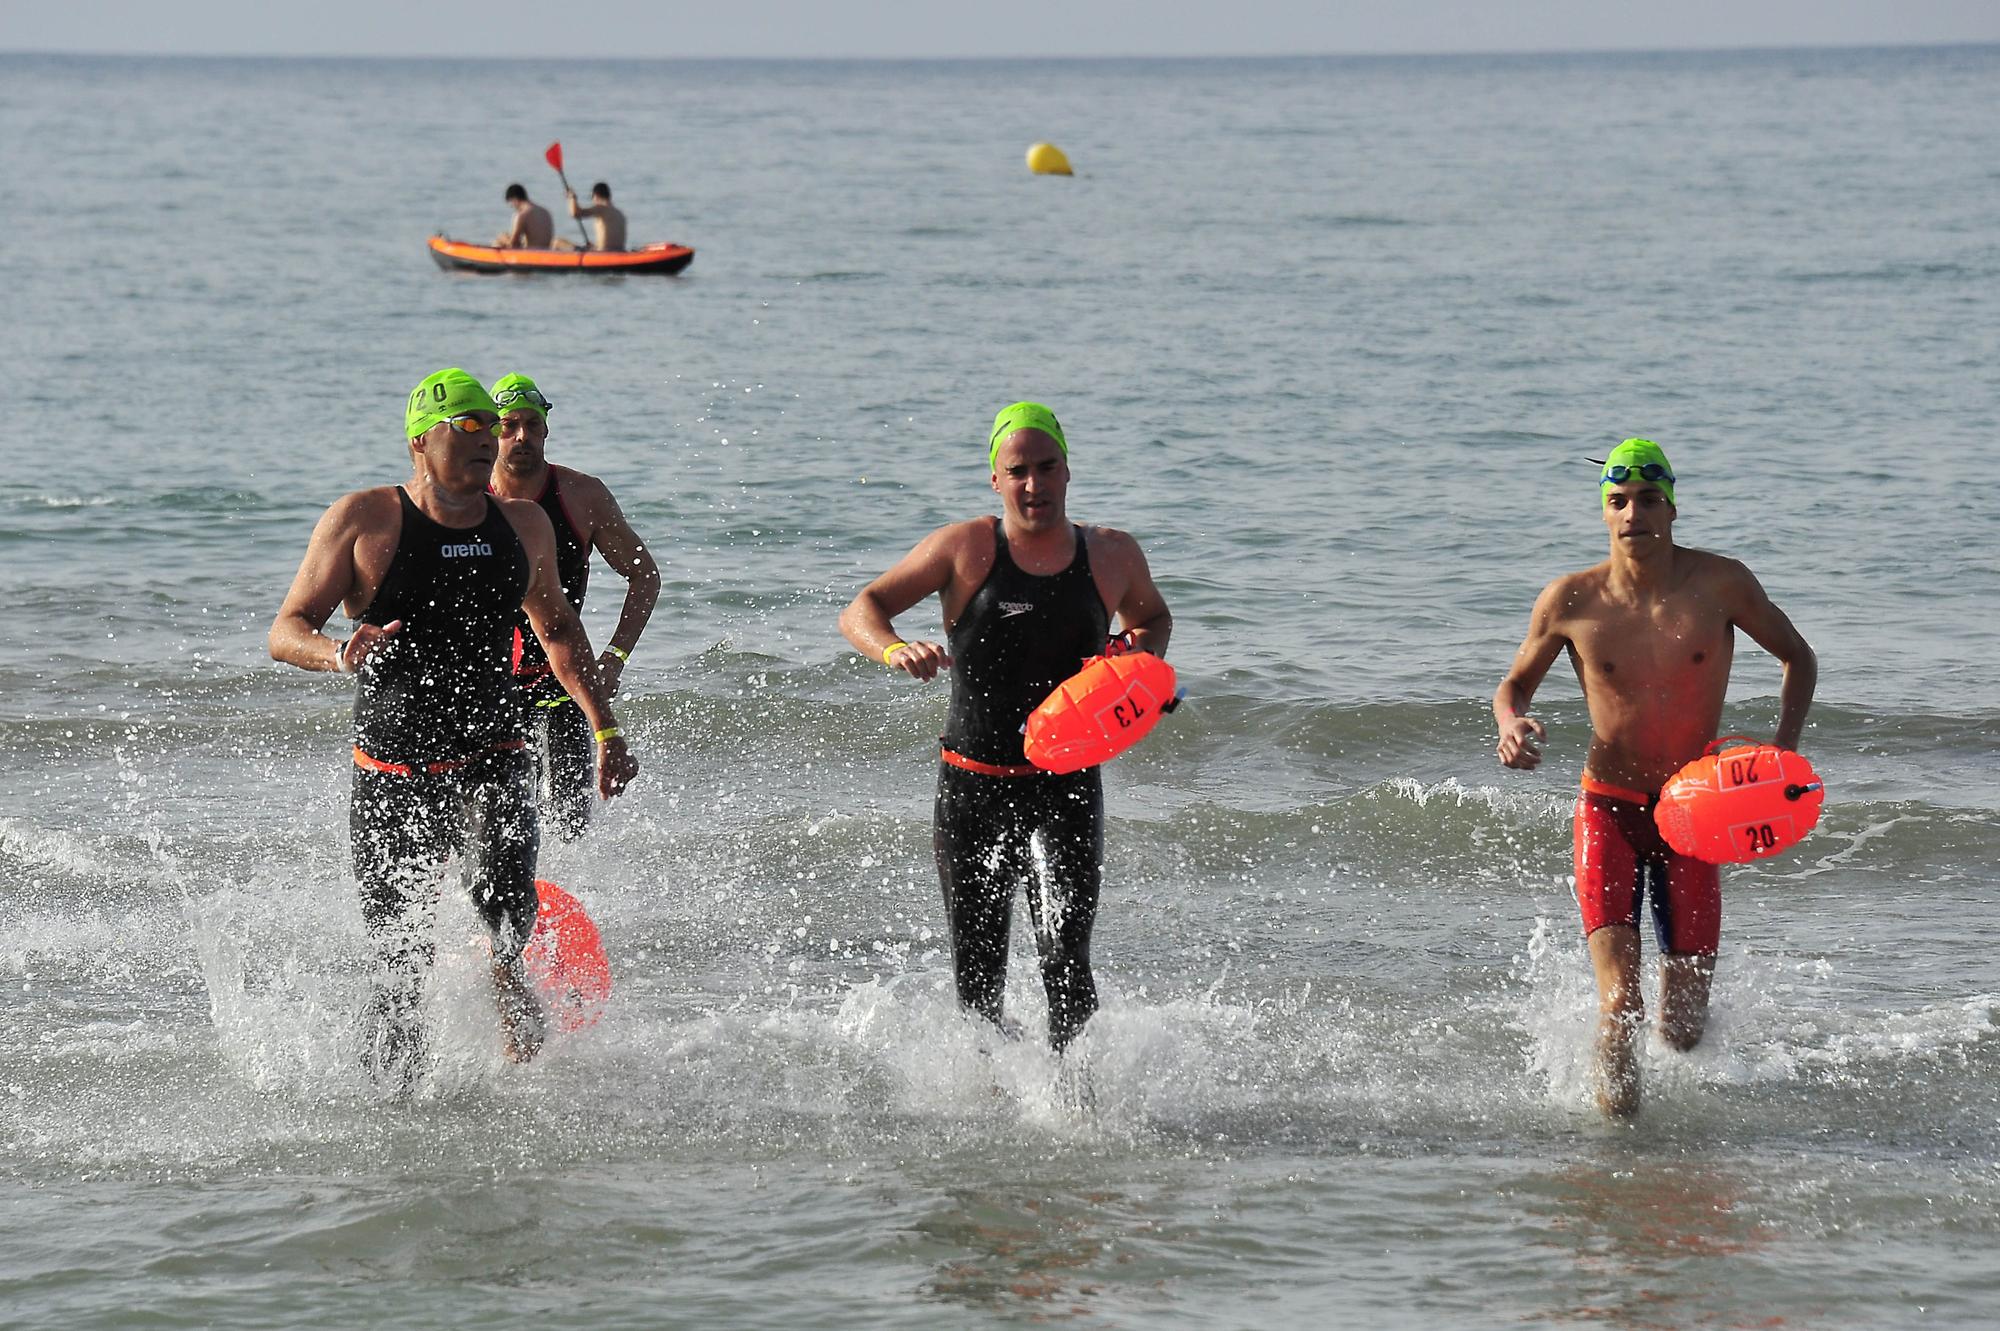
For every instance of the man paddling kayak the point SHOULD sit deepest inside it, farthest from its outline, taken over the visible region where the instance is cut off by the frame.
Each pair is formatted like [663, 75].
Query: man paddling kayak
[606, 220]
[433, 572]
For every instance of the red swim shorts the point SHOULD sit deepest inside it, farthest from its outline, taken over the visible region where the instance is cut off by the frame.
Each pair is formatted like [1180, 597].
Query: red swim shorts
[1620, 858]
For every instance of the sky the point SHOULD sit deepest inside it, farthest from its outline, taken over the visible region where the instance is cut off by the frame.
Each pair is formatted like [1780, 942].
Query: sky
[918, 28]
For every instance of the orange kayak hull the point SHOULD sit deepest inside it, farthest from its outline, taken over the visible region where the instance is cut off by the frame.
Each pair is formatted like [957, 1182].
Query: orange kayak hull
[462, 256]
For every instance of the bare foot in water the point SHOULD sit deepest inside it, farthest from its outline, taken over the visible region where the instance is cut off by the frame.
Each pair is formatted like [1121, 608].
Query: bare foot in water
[522, 1023]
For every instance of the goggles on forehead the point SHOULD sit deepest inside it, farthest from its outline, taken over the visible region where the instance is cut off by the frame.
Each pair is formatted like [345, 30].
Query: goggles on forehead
[1645, 471]
[509, 398]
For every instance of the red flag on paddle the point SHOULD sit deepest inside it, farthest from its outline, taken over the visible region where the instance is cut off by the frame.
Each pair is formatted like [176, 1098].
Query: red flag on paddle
[554, 154]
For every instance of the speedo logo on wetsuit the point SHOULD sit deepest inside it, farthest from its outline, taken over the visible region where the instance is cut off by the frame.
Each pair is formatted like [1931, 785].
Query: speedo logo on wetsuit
[1008, 609]
[465, 549]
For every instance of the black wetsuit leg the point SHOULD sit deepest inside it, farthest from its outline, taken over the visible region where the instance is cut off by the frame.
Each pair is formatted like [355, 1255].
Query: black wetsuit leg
[568, 759]
[991, 833]
[503, 843]
[403, 828]
[1065, 862]
[974, 839]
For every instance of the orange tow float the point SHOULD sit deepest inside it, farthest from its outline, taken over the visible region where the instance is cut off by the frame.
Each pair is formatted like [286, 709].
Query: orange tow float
[1743, 803]
[1101, 711]
[565, 959]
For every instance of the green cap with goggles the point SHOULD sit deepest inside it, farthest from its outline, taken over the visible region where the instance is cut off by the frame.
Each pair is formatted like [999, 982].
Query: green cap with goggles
[517, 392]
[1636, 460]
[1023, 416]
[442, 396]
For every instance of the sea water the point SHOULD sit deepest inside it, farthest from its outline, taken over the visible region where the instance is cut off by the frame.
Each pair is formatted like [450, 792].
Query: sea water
[1333, 339]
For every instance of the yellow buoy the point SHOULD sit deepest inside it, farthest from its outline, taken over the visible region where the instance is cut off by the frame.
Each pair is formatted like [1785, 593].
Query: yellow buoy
[1045, 159]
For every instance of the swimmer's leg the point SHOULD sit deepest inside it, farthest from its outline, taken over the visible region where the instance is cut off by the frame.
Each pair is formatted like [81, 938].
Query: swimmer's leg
[1684, 986]
[1610, 881]
[1621, 1011]
[976, 862]
[1065, 874]
[570, 756]
[1688, 918]
[400, 833]
[502, 844]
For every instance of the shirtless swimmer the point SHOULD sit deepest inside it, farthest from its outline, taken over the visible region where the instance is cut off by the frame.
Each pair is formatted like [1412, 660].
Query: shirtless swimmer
[1651, 632]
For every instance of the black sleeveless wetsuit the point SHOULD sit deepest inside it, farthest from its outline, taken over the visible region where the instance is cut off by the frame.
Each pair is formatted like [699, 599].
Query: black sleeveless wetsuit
[1020, 636]
[439, 689]
[558, 734]
[440, 765]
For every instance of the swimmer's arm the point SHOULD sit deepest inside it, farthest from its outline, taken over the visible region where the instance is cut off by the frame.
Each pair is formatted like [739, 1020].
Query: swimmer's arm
[563, 638]
[1770, 628]
[1532, 659]
[868, 621]
[1142, 612]
[326, 575]
[621, 547]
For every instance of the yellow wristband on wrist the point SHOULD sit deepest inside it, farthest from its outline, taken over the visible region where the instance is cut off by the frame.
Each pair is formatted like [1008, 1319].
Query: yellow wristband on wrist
[609, 732]
[891, 650]
[617, 651]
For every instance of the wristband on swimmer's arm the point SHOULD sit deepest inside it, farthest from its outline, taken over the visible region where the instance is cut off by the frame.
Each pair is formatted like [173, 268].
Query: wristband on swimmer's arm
[340, 656]
[609, 732]
[617, 651]
[891, 650]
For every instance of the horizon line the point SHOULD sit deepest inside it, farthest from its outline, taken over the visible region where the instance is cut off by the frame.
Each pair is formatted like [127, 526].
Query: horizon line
[963, 58]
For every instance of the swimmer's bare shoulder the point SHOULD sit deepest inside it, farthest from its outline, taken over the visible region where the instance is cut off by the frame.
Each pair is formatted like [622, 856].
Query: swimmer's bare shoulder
[362, 519]
[967, 548]
[1570, 599]
[949, 563]
[1708, 571]
[1125, 580]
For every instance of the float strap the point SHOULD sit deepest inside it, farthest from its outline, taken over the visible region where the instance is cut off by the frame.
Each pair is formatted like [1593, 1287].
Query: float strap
[1592, 786]
[987, 769]
[374, 764]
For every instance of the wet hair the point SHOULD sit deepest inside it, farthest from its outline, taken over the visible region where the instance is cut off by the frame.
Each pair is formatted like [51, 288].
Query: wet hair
[516, 192]
[602, 191]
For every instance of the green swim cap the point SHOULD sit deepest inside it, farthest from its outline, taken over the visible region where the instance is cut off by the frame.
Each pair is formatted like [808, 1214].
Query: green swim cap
[1023, 416]
[1637, 460]
[513, 392]
[441, 396]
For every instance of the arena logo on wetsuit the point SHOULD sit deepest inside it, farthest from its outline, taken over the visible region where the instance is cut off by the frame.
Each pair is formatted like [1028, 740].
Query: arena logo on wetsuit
[465, 550]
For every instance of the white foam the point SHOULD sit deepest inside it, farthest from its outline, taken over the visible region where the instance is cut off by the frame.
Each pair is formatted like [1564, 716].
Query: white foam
[67, 501]
[1524, 804]
[1774, 1020]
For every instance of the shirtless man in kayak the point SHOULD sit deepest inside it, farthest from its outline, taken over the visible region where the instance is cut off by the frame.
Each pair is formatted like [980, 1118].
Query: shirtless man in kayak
[607, 221]
[1027, 598]
[533, 228]
[433, 572]
[586, 517]
[1651, 632]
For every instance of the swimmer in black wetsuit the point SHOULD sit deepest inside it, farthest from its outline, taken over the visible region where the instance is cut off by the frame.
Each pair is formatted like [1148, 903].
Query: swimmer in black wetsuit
[1027, 598]
[585, 516]
[433, 573]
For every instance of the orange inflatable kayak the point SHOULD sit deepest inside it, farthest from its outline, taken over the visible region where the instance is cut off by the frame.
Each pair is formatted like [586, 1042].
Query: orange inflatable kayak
[465, 257]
